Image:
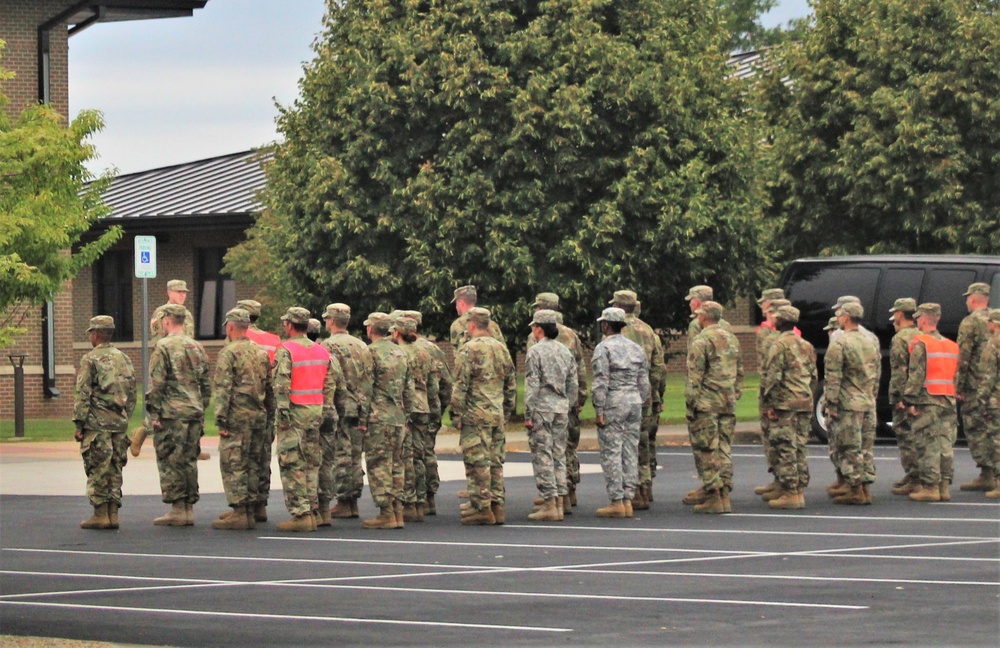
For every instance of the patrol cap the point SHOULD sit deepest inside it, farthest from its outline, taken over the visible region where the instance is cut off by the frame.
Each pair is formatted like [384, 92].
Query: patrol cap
[396, 313]
[379, 320]
[787, 313]
[479, 316]
[994, 315]
[770, 294]
[846, 299]
[703, 293]
[546, 300]
[296, 315]
[544, 316]
[905, 304]
[832, 325]
[314, 326]
[465, 293]
[612, 314]
[624, 298]
[416, 316]
[238, 316]
[776, 304]
[178, 285]
[854, 310]
[251, 306]
[101, 323]
[977, 289]
[712, 310]
[174, 310]
[559, 317]
[930, 308]
[404, 324]
[337, 311]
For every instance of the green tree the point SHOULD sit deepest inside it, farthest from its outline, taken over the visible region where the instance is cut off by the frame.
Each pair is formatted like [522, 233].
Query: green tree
[742, 22]
[886, 129]
[45, 206]
[578, 147]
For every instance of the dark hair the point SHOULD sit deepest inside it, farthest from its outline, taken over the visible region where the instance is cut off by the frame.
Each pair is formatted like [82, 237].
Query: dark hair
[551, 330]
[628, 308]
[408, 336]
[909, 315]
[298, 328]
[176, 320]
[104, 335]
[784, 325]
[616, 326]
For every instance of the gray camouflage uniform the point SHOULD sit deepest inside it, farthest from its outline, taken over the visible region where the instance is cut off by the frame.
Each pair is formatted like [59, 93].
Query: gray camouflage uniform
[550, 389]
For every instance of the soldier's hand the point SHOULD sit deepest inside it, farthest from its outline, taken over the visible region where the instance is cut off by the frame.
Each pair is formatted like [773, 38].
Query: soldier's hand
[960, 397]
[78, 435]
[832, 413]
[156, 425]
[599, 420]
[771, 414]
[223, 433]
[913, 411]
[901, 406]
[528, 424]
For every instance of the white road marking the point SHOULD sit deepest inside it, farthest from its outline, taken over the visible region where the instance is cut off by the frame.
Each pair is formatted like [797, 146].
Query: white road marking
[562, 527]
[866, 518]
[836, 579]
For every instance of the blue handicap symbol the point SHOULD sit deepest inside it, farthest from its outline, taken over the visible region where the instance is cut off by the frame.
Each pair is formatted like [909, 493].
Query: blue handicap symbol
[144, 257]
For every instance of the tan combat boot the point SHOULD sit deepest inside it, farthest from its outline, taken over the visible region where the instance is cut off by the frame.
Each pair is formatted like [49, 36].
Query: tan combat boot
[538, 501]
[629, 511]
[854, 496]
[867, 490]
[188, 514]
[572, 494]
[420, 511]
[138, 437]
[639, 502]
[839, 487]
[499, 515]
[926, 493]
[616, 509]
[566, 505]
[431, 505]
[410, 513]
[480, 517]
[397, 512]
[322, 515]
[463, 494]
[986, 481]
[713, 504]
[342, 509]
[904, 486]
[993, 494]
[386, 520]
[176, 517]
[298, 524]
[113, 514]
[99, 520]
[240, 520]
[260, 512]
[727, 504]
[790, 499]
[354, 507]
[546, 513]
[696, 496]
[944, 491]
[760, 490]
[772, 494]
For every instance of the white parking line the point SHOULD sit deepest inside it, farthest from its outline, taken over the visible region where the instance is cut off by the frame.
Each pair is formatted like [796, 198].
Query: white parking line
[866, 518]
[836, 579]
[631, 529]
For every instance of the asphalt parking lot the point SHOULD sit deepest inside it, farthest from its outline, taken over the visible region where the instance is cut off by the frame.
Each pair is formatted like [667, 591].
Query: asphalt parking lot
[896, 572]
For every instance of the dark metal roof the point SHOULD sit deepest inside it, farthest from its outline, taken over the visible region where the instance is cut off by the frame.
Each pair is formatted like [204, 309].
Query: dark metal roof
[745, 64]
[219, 186]
[87, 12]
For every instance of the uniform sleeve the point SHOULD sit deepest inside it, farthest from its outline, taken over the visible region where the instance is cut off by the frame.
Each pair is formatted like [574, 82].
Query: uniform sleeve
[334, 392]
[771, 374]
[989, 371]
[157, 383]
[572, 389]
[834, 372]
[223, 388]
[916, 373]
[366, 385]
[532, 375]
[967, 342]
[898, 364]
[509, 385]
[657, 371]
[409, 390]
[204, 378]
[642, 380]
[739, 371]
[456, 334]
[601, 367]
[697, 365]
[445, 385]
[282, 379]
[83, 393]
[131, 397]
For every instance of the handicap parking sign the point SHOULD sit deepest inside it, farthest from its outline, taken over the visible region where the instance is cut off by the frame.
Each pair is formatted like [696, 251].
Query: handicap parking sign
[145, 257]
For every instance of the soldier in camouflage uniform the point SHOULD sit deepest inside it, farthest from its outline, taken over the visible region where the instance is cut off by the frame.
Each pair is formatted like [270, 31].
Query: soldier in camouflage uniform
[384, 430]
[102, 404]
[929, 396]
[714, 384]
[439, 385]
[300, 413]
[852, 366]
[571, 340]
[423, 372]
[787, 382]
[242, 387]
[481, 403]
[899, 361]
[620, 387]
[347, 479]
[550, 391]
[642, 334]
[765, 334]
[465, 299]
[989, 389]
[179, 391]
[972, 339]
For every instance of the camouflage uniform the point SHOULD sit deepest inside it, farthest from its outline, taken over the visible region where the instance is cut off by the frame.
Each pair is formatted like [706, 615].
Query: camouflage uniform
[392, 398]
[550, 387]
[261, 445]
[642, 334]
[935, 425]
[787, 381]
[852, 367]
[156, 323]
[482, 400]
[619, 389]
[423, 373]
[179, 391]
[899, 362]
[988, 394]
[973, 336]
[438, 398]
[243, 397]
[459, 337]
[297, 429]
[714, 384]
[102, 404]
[869, 423]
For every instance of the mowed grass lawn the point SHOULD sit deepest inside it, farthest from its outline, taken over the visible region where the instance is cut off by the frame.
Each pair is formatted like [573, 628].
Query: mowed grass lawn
[673, 413]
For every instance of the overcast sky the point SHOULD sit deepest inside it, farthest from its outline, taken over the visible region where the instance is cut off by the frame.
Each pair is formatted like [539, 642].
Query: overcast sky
[184, 89]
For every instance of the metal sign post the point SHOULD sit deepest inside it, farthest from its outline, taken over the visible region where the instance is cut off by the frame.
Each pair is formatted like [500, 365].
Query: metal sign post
[145, 269]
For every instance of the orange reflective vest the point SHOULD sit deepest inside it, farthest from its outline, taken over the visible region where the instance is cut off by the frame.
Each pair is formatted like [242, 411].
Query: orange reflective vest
[942, 364]
[309, 367]
[267, 341]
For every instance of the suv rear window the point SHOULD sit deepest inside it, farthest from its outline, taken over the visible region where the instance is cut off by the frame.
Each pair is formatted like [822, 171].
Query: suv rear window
[945, 287]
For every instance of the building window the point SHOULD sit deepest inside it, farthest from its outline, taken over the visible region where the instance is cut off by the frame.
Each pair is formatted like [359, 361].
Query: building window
[113, 287]
[217, 294]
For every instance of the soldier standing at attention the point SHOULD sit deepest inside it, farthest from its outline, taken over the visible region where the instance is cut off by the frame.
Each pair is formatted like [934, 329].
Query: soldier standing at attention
[102, 404]
[260, 451]
[392, 398]
[899, 361]
[851, 369]
[243, 397]
[714, 384]
[989, 389]
[929, 395]
[787, 383]
[764, 334]
[972, 339]
[550, 387]
[481, 403]
[439, 387]
[465, 299]
[356, 364]
[179, 391]
[620, 387]
[305, 379]
[571, 340]
[422, 371]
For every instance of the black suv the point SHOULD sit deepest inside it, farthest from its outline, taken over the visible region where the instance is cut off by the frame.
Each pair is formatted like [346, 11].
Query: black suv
[813, 286]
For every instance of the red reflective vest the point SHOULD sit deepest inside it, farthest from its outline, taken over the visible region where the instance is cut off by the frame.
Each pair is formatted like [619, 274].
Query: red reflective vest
[942, 364]
[267, 341]
[309, 367]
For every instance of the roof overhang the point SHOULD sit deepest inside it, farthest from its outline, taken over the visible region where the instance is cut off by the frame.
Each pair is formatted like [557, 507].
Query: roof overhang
[84, 13]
